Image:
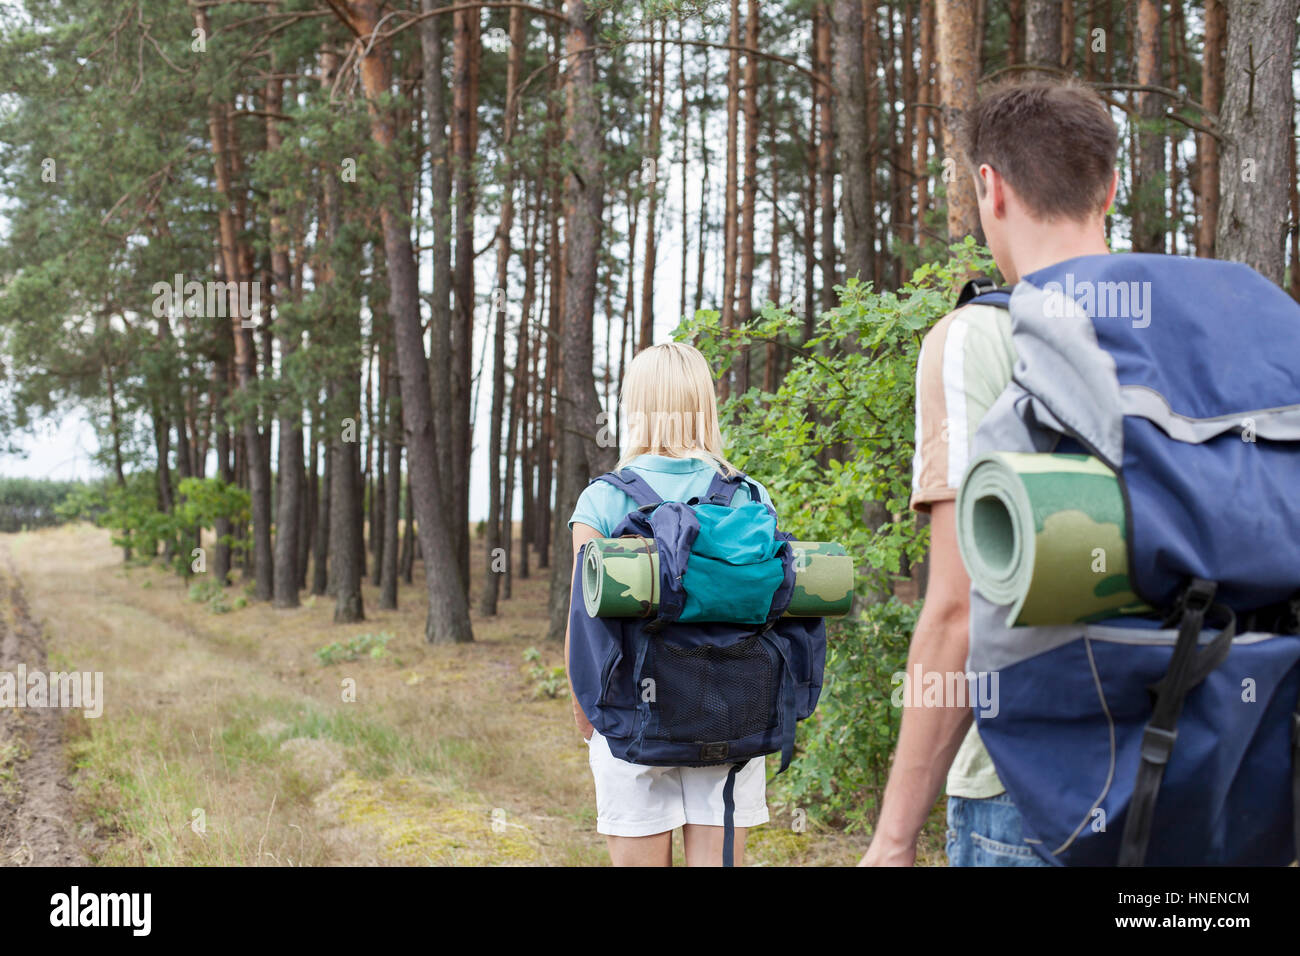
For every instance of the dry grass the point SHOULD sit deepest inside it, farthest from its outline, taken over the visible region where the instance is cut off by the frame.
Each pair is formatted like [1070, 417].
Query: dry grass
[225, 740]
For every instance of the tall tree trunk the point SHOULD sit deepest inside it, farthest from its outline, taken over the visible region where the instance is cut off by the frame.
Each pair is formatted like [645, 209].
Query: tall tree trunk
[925, 97]
[466, 55]
[905, 235]
[809, 197]
[826, 164]
[345, 528]
[245, 357]
[1149, 170]
[1067, 35]
[408, 538]
[374, 471]
[1294, 180]
[448, 617]
[517, 404]
[307, 509]
[555, 256]
[958, 72]
[1015, 31]
[1089, 42]
[1254, 192]
[287, 518]
[703, 220]
[341, 414]
[392, 508]
[774, 258]
[321, 545]
[749, 202]
[492, 579]
[729, 217]
[1043, 33]
[1207, 146]
[686, 140]
[440, 351]
[580, 455]
[1176, 32]
[652, 207]
[223, 528]
[851, 122]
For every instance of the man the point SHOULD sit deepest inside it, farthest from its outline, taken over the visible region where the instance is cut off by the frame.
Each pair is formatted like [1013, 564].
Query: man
[1043, 157]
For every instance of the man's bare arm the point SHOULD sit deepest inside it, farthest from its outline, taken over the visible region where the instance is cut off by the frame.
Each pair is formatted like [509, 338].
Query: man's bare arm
[930, 736]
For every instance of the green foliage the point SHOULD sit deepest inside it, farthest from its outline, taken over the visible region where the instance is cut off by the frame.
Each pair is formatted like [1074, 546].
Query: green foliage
[363, 645]
[203, 501]
[845, 746]
[834, 444]
[34, 502]
[131, 511]
[208, 591]
[547, 681]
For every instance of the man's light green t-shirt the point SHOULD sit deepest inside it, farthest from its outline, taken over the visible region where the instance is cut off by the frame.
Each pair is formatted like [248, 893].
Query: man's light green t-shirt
[965, 363]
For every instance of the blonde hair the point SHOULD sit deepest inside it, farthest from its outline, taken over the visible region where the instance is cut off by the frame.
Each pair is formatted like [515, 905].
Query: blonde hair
[668, 407]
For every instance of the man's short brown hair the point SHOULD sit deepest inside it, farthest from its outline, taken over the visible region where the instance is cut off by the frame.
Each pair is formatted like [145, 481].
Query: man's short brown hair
[1053, 141]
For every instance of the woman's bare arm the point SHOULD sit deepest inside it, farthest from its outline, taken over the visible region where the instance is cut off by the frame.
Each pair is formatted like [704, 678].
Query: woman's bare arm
[582, 533]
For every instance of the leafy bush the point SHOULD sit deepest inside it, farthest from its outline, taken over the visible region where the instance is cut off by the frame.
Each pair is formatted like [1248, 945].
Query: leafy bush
[131, 511]
[547, 681]
[833, 444]
[367, 645]
[208, 591]
[845, 746]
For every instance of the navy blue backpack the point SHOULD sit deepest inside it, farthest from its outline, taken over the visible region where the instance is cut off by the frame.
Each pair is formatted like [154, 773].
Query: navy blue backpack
[664, 692]
[1170, 739]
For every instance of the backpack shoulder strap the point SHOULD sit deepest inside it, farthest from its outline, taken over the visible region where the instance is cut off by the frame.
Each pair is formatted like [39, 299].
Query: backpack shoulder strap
[633, 485]
[982, 291]
[722, 489]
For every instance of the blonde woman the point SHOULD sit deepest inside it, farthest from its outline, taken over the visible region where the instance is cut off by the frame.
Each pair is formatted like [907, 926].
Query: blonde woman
[673, 442]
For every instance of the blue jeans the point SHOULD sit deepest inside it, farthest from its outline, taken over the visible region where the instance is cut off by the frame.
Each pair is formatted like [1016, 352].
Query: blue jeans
[987, 832]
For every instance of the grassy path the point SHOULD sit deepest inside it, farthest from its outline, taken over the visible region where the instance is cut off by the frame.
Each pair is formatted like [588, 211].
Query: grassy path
[226, 741]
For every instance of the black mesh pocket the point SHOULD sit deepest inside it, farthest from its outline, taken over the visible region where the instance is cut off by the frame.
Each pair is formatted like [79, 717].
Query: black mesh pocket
[711, 693]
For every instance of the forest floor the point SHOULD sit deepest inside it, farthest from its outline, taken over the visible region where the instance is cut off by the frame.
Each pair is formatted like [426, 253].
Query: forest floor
[225, 740]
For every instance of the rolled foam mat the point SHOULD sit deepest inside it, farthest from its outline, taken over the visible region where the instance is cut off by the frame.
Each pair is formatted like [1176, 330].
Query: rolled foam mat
[620, 577]
[1047, 535]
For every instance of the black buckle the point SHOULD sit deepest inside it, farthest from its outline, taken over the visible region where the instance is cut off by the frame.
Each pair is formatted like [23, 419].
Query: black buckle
[1158, 744]
[1198, 595]
[975, 287]
[714, 751]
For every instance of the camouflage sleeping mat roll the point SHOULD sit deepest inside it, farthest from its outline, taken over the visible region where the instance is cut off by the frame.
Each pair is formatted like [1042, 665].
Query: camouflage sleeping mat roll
[620, 578]
[1046, 534]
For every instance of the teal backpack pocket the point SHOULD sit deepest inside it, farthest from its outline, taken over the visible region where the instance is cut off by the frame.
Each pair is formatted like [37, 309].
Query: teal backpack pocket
[734, 568]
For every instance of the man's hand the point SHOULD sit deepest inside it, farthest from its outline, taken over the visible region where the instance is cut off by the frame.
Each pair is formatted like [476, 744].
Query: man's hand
[886, 852]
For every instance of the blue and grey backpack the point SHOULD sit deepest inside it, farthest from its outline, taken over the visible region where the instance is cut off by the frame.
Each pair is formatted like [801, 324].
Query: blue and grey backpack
[685, 689]
[1174, 739]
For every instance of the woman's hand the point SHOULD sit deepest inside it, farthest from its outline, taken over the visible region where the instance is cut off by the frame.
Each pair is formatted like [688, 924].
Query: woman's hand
[582, 533]
[579, 718]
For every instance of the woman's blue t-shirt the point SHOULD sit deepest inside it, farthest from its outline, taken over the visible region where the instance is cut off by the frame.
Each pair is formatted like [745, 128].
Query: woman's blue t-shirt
[602, 506]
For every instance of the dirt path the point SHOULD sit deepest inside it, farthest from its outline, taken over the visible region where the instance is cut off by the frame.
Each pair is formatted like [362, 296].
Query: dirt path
[36, 810]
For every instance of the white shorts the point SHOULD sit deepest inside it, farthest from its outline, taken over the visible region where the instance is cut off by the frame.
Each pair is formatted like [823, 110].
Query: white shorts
[633, 800]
